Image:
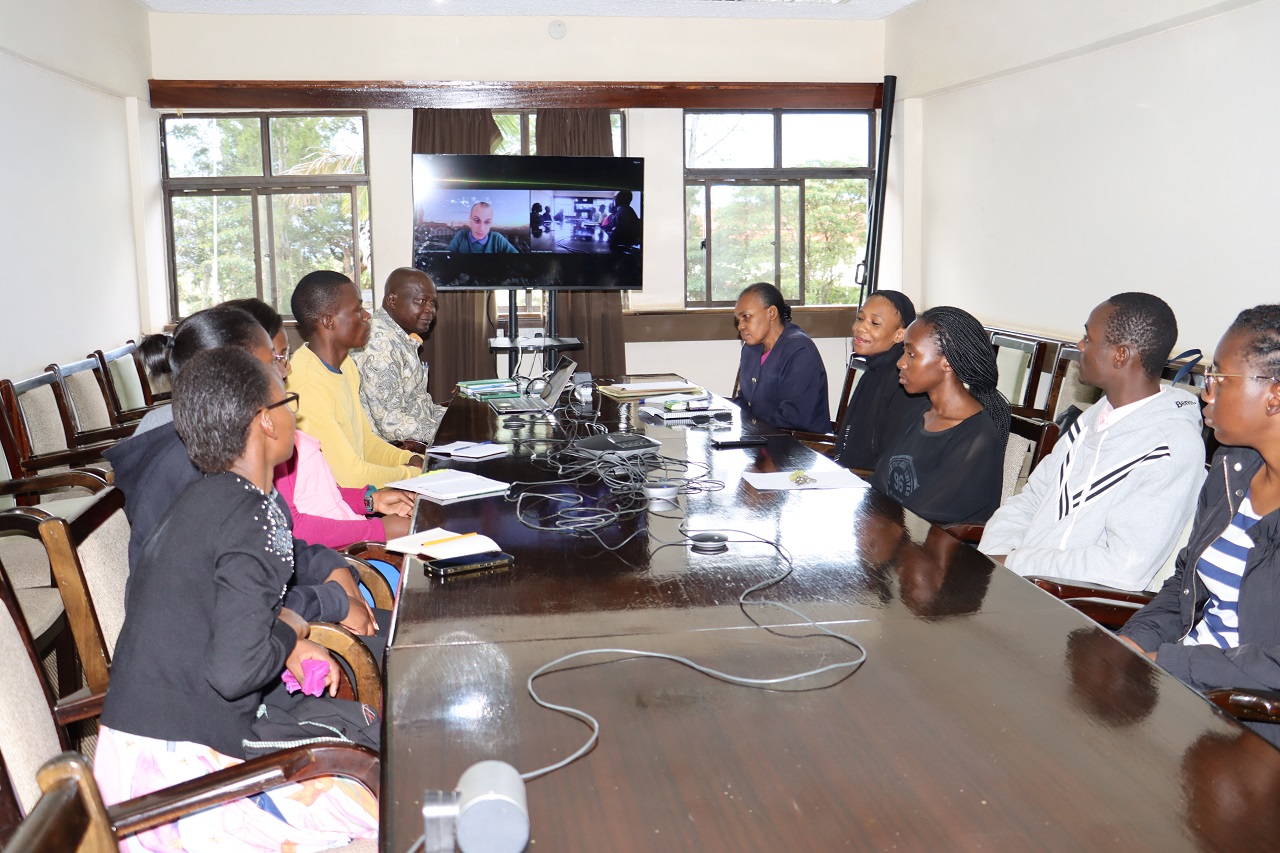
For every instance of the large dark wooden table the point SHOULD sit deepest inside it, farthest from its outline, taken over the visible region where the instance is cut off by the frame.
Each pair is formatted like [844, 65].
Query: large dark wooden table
[988, 716]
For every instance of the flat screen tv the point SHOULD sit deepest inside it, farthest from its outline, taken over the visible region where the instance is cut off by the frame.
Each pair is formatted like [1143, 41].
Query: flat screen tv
[502, 222]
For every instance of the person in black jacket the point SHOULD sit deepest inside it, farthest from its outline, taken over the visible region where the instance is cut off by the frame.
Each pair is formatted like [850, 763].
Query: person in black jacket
[206, 633]
[879, 402]
[1216, 622]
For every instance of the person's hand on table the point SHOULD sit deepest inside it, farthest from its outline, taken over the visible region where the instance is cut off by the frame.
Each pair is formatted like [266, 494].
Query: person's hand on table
[393, 502]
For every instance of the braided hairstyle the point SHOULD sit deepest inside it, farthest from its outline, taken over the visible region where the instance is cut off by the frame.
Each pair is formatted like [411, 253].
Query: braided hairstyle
[1261, 326]
[967, 348]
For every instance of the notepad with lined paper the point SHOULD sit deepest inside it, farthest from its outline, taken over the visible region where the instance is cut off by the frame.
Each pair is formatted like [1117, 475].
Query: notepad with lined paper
[440, 544]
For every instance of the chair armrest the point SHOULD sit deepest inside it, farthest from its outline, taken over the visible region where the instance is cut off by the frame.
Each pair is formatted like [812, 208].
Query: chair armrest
[106, 434]
[412, 445]
[348, 646]
[1259, 706]
[78, 457]
[297, 764]
[90, 478]
[81, 705]
[968, 533]
[371, 579]
[373, 551]
[1108, 613]
[1064, 589]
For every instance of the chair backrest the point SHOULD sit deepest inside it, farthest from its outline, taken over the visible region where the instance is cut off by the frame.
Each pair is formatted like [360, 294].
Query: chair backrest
[36, 414]
[853, 372]
[89, 556]
[28, 734]
[1030, 441]
[126, 381]
[1020, 361]
[85, 395]
[1067, 389]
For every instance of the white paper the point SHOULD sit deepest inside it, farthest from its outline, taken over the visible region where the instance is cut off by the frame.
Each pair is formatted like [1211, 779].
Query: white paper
[450, 449]
[782, 482]
[447, 485]
[484, 450]
[440, 544]
[684, 415]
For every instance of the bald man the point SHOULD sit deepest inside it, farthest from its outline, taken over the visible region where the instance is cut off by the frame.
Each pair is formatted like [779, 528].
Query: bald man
[393, 375]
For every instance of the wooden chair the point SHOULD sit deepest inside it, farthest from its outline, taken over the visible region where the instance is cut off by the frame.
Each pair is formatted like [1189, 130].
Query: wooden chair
[89, 556]
[33, 765]
[43, 437]
[1066, 388]
[88, 409]
[1020, 360]
[1030, 441]
[129, 389]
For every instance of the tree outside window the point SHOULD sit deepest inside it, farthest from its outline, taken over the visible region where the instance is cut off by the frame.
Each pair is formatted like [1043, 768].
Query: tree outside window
[777, 196]
[256, 201]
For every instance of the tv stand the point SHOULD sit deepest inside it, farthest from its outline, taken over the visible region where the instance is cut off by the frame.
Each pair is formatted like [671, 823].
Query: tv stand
[549, 344]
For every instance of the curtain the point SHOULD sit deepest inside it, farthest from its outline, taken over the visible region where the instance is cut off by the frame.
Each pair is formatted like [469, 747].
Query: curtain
[595, 318]
[459, 346]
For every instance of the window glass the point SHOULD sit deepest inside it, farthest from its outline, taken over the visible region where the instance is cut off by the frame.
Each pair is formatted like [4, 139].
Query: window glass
[728, 140]
[695, 235]
[789, 241]
[742, 238]
[311, 231]
[824, 139]
[213, 250]
[213, 147]
[835, 231]
[317, 145]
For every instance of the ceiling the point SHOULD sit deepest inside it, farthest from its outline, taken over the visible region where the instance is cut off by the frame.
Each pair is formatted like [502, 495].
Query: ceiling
[854, 10]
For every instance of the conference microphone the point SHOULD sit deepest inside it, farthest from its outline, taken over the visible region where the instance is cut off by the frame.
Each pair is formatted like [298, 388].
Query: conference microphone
[488, 813]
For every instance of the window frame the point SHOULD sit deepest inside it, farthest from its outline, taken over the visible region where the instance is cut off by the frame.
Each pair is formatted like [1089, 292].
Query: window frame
[259, 189]
[776, 176]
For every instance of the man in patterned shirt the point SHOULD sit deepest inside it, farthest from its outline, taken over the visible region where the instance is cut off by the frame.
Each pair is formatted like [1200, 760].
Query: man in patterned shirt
[393, 376]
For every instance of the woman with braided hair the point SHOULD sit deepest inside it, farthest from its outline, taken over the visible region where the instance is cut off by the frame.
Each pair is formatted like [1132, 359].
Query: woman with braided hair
[947, 463]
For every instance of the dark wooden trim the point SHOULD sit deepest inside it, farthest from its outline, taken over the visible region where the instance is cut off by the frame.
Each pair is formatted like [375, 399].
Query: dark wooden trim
[716, 324]
[457, 94]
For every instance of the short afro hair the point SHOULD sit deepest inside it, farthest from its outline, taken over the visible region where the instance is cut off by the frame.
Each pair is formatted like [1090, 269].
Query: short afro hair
[1261, 327]
[215, 399]
[317, 294]
[1146, 323]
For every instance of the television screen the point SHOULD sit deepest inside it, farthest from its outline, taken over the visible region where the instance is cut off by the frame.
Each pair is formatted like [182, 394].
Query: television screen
[502, 222]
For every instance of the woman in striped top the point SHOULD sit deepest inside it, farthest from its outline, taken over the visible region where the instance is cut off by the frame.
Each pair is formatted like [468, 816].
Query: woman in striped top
[1216, 622]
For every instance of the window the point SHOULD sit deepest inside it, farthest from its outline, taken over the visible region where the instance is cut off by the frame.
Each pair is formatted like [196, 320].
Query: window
[519, 136]
[256, 201]
[777, 196]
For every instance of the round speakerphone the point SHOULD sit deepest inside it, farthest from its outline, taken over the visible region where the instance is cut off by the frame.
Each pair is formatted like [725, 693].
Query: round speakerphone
[709, 542]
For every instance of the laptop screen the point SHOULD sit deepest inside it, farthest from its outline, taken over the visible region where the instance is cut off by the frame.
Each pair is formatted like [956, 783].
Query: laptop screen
[559, 379]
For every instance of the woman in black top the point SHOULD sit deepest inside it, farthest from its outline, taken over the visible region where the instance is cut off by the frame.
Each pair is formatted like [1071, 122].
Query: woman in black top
[947, 464]
[879, 402]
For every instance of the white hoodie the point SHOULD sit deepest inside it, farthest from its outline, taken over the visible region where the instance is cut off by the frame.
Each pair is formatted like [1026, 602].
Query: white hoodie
[1108, 503]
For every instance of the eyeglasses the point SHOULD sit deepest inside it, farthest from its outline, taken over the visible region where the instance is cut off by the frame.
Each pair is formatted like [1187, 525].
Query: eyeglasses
[706, 419]
[290, 400]
[1212, 379]
[280, 357]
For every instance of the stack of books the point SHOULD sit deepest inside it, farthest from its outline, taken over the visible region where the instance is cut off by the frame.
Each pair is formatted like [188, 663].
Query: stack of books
[488, 389]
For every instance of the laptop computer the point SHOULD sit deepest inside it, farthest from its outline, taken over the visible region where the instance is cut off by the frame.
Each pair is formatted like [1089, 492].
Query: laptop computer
[544, 402]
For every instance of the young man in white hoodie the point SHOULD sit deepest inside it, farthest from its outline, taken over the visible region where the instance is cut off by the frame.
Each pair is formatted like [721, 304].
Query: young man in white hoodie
[1107, 505]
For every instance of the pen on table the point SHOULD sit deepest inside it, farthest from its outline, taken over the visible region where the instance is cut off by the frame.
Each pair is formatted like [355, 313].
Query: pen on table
[446, 539]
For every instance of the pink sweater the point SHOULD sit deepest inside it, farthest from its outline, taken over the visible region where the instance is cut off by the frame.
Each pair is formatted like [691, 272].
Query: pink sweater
[323, 512]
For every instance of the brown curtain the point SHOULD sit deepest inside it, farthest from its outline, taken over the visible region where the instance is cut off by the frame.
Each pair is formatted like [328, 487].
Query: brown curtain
[596, 318]
[459, 346]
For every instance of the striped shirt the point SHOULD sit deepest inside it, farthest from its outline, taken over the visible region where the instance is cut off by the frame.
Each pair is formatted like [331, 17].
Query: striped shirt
[1221, 568]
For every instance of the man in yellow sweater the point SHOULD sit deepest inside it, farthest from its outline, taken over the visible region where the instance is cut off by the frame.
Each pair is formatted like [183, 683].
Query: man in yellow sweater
[332, 320]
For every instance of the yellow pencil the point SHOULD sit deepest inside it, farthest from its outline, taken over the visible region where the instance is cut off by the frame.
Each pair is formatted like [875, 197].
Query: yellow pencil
[446, 539]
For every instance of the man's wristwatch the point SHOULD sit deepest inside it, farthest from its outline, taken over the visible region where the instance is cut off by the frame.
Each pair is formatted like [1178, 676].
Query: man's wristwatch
[368, 500]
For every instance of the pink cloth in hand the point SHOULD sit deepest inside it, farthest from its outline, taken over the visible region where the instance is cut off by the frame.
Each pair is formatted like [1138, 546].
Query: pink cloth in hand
[313, 675]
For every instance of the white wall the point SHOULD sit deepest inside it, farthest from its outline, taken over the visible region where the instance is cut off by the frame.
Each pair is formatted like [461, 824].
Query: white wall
[1144, 161]
[70, 73]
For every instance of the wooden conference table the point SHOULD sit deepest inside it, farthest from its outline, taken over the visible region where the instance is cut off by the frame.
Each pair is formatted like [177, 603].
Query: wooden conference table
[988, 715]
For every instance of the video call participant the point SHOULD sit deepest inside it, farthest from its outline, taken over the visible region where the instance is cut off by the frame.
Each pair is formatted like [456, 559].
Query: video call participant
[781, 378]
[393, 375]
[1109, 502]
[1216, 622]
[947, 464]
[207, 634]
[879, 402]
[477, 238]
[626, 228]
[332, 320]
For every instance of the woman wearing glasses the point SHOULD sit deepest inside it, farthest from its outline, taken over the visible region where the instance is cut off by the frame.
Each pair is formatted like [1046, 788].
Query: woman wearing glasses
[1216, 622]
